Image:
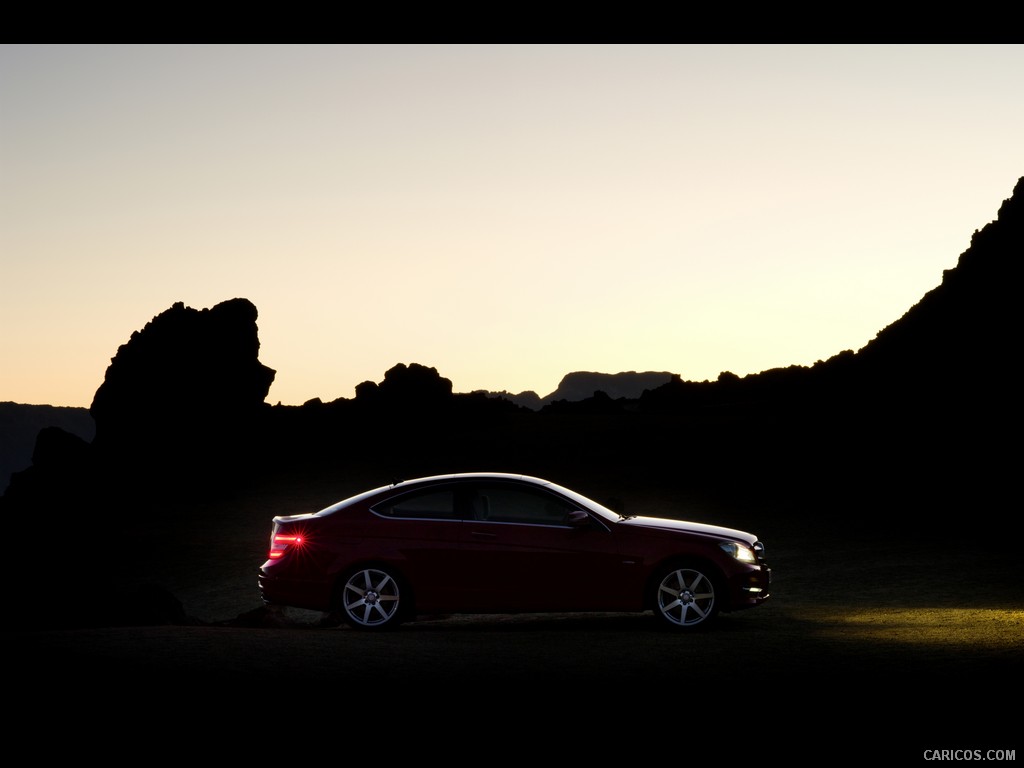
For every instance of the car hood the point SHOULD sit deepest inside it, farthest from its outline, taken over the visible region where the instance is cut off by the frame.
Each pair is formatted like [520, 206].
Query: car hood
[685, 526]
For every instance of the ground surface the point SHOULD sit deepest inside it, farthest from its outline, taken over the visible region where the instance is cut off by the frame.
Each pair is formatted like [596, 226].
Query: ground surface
[874, 644]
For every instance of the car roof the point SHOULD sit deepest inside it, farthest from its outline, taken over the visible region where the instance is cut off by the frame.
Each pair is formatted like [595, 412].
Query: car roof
[471, 476]
[433, 480]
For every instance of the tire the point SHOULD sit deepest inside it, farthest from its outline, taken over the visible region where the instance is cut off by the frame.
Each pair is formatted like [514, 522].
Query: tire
[687, 597]
[371, 598]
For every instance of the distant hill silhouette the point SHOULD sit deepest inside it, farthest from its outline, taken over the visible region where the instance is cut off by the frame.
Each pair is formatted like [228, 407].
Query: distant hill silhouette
[580, 385]
[21, 423]
[921, 417]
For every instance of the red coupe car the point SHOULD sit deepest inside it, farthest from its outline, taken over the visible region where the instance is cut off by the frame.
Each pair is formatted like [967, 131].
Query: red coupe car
[501, 543]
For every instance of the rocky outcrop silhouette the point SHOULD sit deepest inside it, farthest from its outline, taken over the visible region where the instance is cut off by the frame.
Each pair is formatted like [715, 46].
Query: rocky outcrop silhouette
[411, 422]
[179, 415]
[957, 338]
[185, 391]
[407, 387]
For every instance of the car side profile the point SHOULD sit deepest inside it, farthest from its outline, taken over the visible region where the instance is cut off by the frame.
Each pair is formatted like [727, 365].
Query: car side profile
[503, 543]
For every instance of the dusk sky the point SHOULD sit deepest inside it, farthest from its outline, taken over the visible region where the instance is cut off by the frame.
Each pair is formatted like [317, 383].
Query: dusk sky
[505, 214]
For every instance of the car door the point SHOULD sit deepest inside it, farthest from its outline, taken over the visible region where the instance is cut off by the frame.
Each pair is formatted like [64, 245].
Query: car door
[420, 533]
[522, 553]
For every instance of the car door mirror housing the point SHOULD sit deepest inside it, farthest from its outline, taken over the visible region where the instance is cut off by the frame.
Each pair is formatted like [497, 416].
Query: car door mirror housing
[578, 518]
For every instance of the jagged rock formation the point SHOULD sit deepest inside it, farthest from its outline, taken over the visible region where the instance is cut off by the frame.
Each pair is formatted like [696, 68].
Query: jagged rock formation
[178, 415]
[187, 388]
[407, 387]
[958, 337]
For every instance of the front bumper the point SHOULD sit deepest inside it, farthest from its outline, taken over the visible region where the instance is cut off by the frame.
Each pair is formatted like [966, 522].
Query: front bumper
[750, 588]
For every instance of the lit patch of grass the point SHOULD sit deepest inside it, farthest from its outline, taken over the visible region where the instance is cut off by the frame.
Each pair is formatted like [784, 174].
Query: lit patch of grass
[991, 628]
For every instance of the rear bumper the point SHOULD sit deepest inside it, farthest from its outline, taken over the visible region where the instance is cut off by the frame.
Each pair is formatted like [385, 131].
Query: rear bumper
[312, 595]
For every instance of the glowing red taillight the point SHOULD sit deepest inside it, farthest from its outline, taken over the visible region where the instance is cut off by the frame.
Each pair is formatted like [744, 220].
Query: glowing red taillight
[280, 542]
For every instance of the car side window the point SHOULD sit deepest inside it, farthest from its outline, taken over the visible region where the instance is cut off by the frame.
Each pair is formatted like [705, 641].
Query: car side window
[435, 505]
[498, 504]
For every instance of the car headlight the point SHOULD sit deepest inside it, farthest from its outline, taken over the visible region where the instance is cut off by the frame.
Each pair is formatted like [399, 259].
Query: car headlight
[741, 552]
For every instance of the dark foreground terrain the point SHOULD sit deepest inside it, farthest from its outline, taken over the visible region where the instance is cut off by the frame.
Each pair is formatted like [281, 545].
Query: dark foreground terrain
[880, 641]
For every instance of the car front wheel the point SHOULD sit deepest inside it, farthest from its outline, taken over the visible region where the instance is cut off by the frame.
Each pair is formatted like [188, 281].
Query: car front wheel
[686, 597]
[370, 599]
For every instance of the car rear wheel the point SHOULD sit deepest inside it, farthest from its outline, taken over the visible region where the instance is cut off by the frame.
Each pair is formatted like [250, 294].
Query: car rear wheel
[686, 597]
[371, 598]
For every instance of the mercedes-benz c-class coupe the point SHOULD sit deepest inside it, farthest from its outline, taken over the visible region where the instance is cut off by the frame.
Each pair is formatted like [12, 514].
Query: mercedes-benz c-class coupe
[503, 543]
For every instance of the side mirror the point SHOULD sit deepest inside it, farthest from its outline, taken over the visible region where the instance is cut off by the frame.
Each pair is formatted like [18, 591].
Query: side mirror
[578, 518]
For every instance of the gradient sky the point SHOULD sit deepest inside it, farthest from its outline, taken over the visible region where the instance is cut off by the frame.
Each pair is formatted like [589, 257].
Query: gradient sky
[506, 214]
